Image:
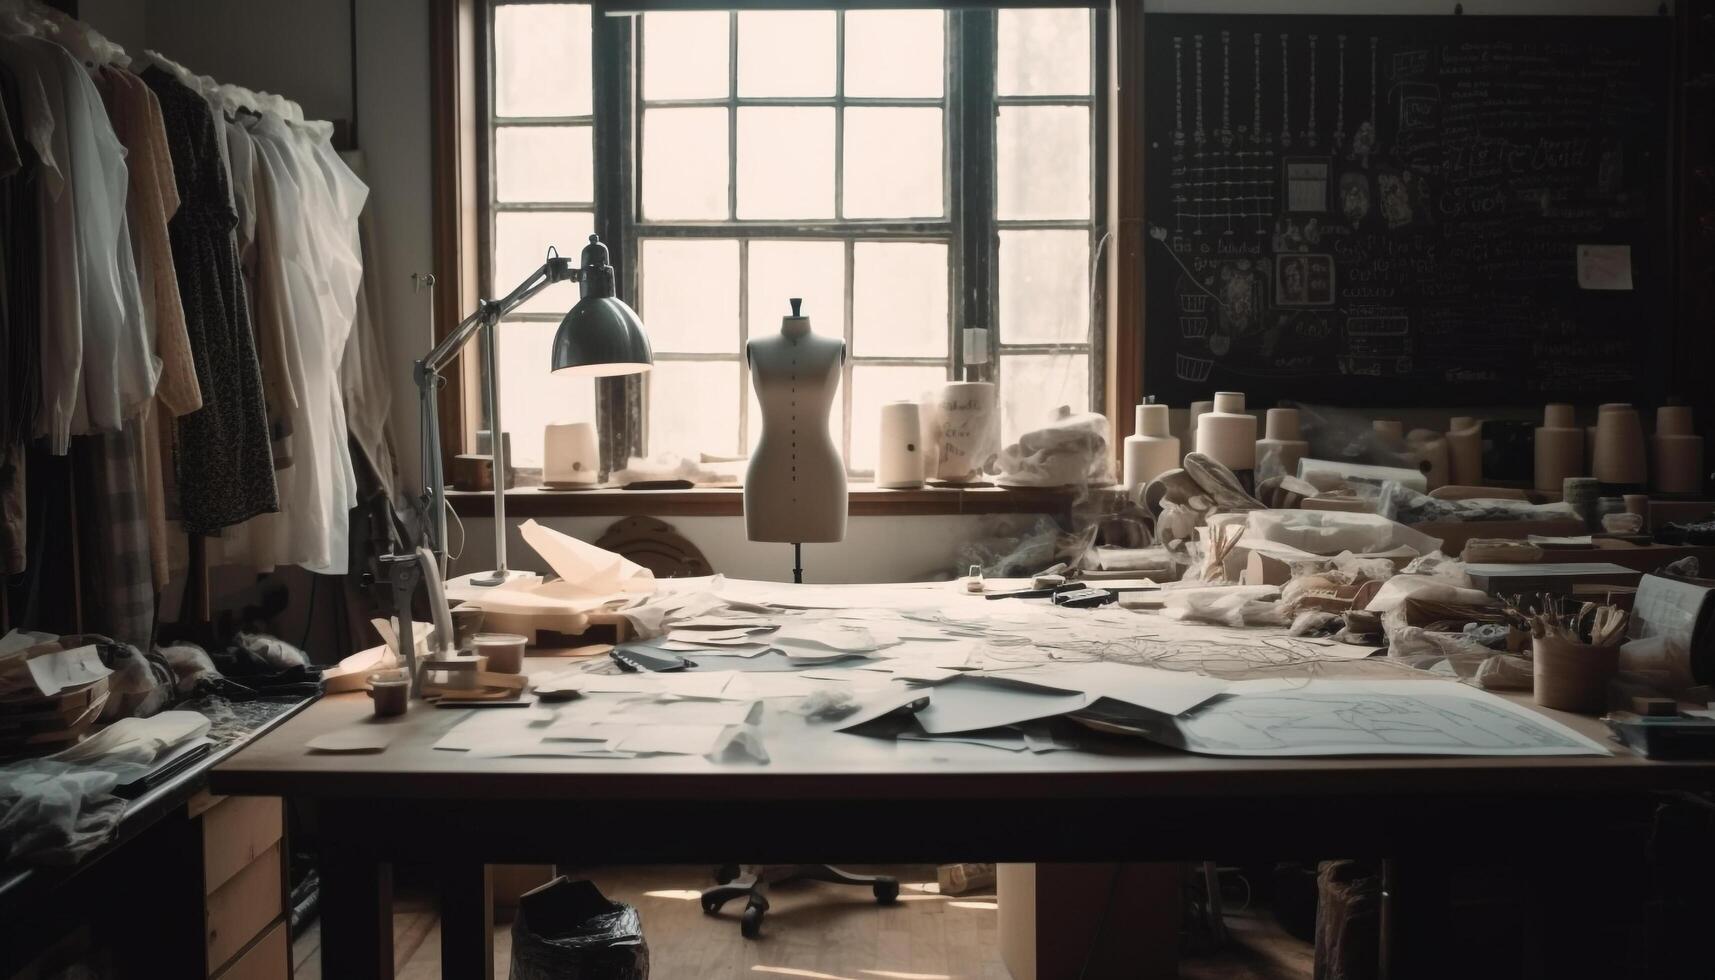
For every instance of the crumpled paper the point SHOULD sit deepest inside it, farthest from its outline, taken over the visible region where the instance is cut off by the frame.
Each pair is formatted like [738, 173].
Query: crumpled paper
[584, 568]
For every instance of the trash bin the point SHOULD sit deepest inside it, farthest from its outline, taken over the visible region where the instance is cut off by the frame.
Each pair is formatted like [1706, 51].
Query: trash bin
[569, 930]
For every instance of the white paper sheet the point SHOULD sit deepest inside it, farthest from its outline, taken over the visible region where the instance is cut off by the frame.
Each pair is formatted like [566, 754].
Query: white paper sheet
[701, 683]
[54, 672]
[352, 738]
[582, 566]
[1605, 267]
[969, 704]
[1167, 691]
[874, 704]
[641, 712]
[1006, 741]
[1379, 717]
[671, 740]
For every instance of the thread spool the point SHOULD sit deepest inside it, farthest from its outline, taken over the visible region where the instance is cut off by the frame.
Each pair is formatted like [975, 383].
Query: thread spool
[1283, 437]
[570, 456]
[1638, 503]
[966, 425]
[1465, 451]
[1195, 412]
[1390, 431]
[1430, 449]
[1619, 460]
[1559, 447]
[1151, 450]
[1677, 457]
[900, 464]
[1227, 434]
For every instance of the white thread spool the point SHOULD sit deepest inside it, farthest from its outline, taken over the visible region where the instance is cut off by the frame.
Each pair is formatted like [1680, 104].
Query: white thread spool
[1465, 451]
[569, 454]
[1619, 457]
[1151, 450]
[1227, 434]
[900, 464]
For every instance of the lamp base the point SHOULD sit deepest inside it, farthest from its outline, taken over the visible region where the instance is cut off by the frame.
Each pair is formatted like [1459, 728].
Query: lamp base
[495, 579]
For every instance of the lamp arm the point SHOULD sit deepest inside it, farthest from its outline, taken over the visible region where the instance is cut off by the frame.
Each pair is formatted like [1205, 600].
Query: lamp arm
[427, 374]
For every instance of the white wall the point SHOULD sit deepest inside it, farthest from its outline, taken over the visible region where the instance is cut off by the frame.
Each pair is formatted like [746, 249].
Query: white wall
[301, 49]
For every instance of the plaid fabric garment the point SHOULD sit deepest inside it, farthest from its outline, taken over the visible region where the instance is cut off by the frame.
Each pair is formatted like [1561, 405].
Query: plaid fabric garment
[118, 579]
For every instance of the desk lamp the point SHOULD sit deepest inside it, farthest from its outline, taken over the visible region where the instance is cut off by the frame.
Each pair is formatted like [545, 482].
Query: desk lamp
[600, 337]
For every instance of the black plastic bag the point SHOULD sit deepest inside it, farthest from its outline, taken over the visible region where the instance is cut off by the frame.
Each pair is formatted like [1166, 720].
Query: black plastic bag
[569, 930]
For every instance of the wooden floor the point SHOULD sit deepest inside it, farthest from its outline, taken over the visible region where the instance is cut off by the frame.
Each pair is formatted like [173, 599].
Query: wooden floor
[816, 931]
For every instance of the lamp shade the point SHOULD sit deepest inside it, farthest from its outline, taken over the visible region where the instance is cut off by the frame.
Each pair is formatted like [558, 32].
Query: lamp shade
[601, 336]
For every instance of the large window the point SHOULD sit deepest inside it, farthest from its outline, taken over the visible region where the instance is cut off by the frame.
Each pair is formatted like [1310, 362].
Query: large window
[907, 173]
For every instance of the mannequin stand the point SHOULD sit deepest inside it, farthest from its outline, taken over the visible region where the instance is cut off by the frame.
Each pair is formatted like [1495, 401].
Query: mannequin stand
[797, 564]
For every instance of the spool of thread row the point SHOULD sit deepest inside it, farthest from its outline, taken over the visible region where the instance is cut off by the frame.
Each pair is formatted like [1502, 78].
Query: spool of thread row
[1151, 450]
[1282, 441]
[1227, 434]
[1559, 448]
[1677, 452]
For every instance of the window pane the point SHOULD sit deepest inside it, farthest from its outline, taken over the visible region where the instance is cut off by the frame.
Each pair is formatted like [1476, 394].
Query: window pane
[893, 162]
[836, 422]
[1043, 52]
[685, 55]
[542, 59]
[1043, 162]
[531, 396]
[812, 271]
[521, 241]
[1032, 386]
[690, 295]
[874, 385]
[899, 302]
[785, 163]
[543, 164]
[895, 53]
[685, 164]
[693, 407]
[1044, 287]
[786, 52]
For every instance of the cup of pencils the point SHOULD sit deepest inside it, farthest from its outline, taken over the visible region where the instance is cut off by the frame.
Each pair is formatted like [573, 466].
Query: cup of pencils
[1575, 650]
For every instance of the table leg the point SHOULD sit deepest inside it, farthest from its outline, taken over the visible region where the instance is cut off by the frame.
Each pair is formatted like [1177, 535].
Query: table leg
[467, 921]
[356, 916]
[1416, 937]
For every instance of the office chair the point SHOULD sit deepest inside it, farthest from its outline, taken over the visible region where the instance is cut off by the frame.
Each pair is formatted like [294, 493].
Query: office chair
[752, 880]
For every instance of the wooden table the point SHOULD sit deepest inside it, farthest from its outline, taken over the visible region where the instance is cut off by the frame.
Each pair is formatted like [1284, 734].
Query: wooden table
[830, 797]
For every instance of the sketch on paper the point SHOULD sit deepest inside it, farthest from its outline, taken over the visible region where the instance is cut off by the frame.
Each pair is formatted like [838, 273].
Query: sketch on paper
[1373, 718]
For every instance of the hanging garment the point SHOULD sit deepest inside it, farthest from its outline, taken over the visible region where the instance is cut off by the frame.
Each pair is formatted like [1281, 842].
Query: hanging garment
[20, 285]
[225, 470]
[115, 572]
[119, 368]
[154, 199]
[363, 371]
[312, 200]
[267, 320]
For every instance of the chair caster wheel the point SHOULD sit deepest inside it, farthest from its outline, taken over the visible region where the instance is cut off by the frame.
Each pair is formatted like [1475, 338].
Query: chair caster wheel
[886, 892]
[710, 906]
[751, 925]
[725, 873]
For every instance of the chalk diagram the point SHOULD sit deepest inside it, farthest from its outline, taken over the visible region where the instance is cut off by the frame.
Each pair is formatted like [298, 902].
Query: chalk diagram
[1370, 723]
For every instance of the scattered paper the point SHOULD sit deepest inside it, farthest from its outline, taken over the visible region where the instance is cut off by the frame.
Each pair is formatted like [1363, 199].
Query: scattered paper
[683, 713]
[1605, 267]
[1377, 717]
[54, 672]
[700, 683]
[1170, 692]
[1009, 740]
[671, 740]
[970, 704]
[773, 684]
[585, 567]
[353, 738]
[875, 704]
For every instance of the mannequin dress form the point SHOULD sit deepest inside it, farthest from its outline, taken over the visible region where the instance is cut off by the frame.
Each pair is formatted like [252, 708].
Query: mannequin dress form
[795, 486]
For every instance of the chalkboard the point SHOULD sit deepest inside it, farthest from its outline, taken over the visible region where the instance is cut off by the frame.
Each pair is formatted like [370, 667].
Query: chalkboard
[1403, 210]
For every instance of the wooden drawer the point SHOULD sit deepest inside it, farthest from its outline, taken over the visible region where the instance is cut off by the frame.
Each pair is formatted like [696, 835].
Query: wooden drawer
[234, 832]
[242, 907]
[269, 959]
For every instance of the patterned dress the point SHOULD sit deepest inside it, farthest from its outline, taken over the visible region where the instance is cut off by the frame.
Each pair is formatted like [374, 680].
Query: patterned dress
[224, 464]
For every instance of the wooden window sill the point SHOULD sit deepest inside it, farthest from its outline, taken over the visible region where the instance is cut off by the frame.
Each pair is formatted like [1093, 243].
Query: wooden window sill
[866, 501]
